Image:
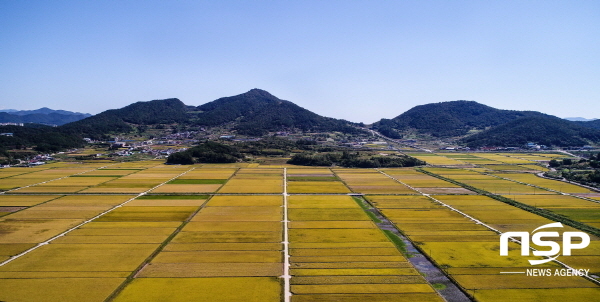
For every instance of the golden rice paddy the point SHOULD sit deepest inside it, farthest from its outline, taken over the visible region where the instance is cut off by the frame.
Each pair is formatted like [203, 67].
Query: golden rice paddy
[204, 234]
[252, 289]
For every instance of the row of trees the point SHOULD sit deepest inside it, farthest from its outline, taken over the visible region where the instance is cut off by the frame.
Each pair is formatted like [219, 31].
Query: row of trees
[208, 152]
[584, 171]
[353, 160]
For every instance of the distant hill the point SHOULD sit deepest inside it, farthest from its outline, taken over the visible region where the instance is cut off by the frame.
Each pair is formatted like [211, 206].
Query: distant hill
[44, 115]
[257, 112]
[448, 119]
[578, 119]
[116, 121]
[543, 130]
[43, 110]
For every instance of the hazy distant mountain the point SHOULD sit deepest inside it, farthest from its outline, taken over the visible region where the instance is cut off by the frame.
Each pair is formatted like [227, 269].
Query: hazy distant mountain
[44, 115]
[257, 112]
[543, 130]
[578, 119]
[43, 110]
[448, 119]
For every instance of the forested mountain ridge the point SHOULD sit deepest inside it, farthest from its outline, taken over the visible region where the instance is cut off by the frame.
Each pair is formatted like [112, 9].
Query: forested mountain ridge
[118, 120]
[257, 112]
[543, 130]
[447, 119]
[589, 124]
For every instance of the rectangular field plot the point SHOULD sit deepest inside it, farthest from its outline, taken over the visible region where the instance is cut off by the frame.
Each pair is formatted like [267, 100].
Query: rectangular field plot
[413, 297]
[195, 181]
[107, 172]
[248, 183]
[501, 186]
[309, 214]
[505, 158]
[251, 289]
[186, 201]
[391, 202]
[111, 239]
[219, 257]
[49, 189]
[321, 201]
[545, 183]
[14, 183]
[245, 201]
[436, 159]
[371, 182]
[322, 174]
[239, 214]
[547, 294]
[228, 237]
[148, 214]
[224, 246]
[229, 226]
[33, 230]
[83, 202]
[11, 249]
[77, 181]
[331, 224]
[186, 188]
[389, 251]
[362, 289]
[205, 173]
[350, 265]
[500, 281]
[317, 187]
[58, 289]
[24, 201]
[536, 167]
[507, 167]
[82, 257]
[425, 181]
[216, 269]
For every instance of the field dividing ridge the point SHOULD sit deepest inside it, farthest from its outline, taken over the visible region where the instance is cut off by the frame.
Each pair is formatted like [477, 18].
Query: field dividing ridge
[287, 294]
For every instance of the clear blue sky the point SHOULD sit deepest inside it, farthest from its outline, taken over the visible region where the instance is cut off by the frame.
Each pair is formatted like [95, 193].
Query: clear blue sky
[356, 60]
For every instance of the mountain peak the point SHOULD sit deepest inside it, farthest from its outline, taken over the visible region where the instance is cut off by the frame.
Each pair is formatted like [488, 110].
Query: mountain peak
[256, 93]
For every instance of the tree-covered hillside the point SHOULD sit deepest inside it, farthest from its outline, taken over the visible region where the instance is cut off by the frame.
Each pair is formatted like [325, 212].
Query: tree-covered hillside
[42, 138]
[117, 121]
[257, 112]
[207, 152]
[448, 119]
[549, 131]
[595, 124]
